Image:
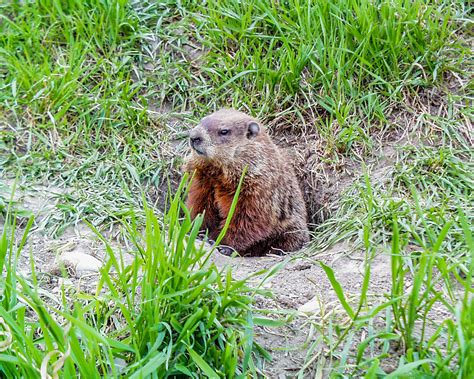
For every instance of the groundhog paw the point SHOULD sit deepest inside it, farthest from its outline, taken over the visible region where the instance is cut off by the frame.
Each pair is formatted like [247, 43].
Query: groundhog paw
[226, 250]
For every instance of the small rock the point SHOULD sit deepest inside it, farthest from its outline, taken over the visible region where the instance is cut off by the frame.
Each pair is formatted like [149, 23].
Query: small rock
[120, 364]
[78, 264]
[65, 282]
[312, 306]
[302, 267]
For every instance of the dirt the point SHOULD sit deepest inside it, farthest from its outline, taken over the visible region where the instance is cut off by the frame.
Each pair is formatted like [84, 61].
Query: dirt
[300, 288]
[301, 282]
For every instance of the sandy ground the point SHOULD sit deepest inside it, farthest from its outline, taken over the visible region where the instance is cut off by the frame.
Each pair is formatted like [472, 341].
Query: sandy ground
[300, 288]
[299, 283]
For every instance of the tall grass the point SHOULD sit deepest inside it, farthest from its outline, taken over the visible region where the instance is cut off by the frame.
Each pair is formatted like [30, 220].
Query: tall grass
[404, 325]
[344, 58]
[70, 112]
[334, 56]
[435, 181]
[81, 80]
[61, 62]
[170, 312]
[422, 209]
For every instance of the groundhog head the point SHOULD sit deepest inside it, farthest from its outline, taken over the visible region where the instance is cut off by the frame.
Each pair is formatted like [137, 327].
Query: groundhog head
[224, 134]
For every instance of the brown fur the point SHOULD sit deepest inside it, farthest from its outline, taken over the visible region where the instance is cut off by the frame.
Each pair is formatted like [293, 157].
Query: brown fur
[270, 212]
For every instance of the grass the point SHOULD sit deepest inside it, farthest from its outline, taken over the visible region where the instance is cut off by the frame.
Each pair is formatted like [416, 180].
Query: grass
[168, 313]
[343, 48]
[76, 106]
[435, 181]
[422, 280]
[95, 98]
[420, 212]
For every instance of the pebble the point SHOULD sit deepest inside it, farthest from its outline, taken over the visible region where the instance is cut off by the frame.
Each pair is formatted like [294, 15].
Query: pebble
[312, 306]
[78, 264]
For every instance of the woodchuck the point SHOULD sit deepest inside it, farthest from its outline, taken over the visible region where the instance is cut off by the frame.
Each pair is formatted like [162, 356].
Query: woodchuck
[270, 214]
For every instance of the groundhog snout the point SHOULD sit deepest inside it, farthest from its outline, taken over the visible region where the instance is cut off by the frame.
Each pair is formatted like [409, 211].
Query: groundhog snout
[196, 141]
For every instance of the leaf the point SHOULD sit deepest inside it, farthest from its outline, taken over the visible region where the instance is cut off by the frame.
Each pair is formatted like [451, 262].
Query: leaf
[442, 236]
[9, 359]
[184, 370]
[152, 365]
[406, 369]
[372, 371]
[338, 289]
[265, 321]
[201, 363]
[363, 344]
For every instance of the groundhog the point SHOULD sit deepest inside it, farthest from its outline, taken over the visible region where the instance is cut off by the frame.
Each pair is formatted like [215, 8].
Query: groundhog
[270, 214]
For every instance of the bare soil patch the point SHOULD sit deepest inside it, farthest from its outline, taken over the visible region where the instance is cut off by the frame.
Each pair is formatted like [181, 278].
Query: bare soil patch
[300, 288]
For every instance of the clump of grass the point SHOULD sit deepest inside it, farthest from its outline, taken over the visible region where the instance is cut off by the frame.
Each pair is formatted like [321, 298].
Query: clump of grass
[434, 181]
[421, 207]
[411, 311]
[71, 113]
[61, 61]
[168, 313]
[334, 67]
[403, 325]
[67, 67]
[337, 56]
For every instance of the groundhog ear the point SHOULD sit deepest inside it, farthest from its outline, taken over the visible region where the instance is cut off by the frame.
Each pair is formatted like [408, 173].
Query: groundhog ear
[253, 129]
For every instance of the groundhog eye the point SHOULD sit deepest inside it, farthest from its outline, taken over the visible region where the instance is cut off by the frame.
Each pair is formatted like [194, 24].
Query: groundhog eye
[223, 132]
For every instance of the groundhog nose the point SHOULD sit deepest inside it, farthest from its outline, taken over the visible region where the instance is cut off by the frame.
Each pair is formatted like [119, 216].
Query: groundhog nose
[195, 140]
[195, 136]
